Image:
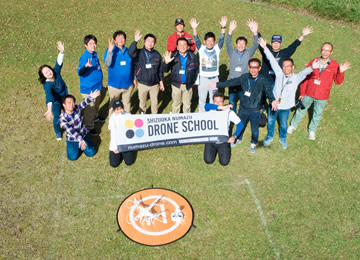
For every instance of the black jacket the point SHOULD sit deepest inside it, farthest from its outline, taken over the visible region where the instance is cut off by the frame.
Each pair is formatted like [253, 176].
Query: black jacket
[258, 89]
[191, 72]
[150, 76]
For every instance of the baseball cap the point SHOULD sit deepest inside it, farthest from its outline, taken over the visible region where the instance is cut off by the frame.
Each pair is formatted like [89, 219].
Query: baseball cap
[117, 103]
[276, 38]
[179, 21]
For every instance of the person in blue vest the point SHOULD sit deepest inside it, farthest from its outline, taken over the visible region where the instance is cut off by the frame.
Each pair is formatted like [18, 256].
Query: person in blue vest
[120, 71]
[91, 77]
[55, 89]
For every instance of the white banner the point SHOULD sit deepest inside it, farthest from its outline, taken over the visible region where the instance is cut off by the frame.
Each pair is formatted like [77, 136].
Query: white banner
[141, 132]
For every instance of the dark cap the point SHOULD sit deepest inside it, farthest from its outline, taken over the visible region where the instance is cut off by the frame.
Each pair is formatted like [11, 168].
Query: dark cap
[276, 38]
[179, 21]
[117, 103]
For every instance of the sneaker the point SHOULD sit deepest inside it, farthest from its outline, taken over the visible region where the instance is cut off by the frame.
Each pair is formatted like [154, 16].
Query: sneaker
[311, 135]
[252, 148]
[291, 129]
[99, 119]
[93, 132]
[283, 143]
[58, 137]
[238, 141]
[267, 141]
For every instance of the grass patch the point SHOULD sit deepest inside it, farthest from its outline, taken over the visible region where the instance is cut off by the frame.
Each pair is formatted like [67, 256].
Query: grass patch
[53, 208]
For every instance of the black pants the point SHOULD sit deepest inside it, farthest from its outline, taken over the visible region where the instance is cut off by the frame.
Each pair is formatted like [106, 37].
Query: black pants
[116, 158]
[222, 149]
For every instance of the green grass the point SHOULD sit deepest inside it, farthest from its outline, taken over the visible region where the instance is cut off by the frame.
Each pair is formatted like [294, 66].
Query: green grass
[345, 10]
[53, 208]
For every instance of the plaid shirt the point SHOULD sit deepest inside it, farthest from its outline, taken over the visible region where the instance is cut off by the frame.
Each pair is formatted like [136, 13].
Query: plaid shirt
[72, 124]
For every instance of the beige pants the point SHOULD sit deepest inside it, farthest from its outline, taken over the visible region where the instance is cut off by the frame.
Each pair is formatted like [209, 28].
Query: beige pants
[91, 111]
[115, 93]
[143, 91]
[186, 98]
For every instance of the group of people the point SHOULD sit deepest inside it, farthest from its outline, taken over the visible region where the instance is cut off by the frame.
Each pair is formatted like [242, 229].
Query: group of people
[250, 81]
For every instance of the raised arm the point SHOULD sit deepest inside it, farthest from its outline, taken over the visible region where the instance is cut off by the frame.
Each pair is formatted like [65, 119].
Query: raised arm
[274, 64]
[133, 50]
[253, 26]
[222, 23]
[229, 48]
[305, 32]
[194, 24]
[109, 53]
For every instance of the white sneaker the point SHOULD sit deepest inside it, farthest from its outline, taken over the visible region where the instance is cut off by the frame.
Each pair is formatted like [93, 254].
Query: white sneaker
[291, 129]
[252, 148]
[311, 135]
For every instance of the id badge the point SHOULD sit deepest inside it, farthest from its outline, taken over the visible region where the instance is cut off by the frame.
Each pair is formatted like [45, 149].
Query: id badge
[123, 63]
[181, 72]
[148, 66]
[238, 69]
[98, 67]
[247, 93]
[317, 82]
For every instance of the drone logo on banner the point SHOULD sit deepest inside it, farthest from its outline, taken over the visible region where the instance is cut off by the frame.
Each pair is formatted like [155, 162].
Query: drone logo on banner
[155, 217]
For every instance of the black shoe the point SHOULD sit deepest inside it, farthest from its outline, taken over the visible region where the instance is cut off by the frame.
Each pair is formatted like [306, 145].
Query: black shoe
[93, 132]
[99, 119]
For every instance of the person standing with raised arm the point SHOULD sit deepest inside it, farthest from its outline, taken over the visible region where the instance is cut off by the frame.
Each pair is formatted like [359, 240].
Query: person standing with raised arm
[148, 69]
[317, 86]
[91, 77]
[209, 55]
[286, 83]
[279, 54]
[55, 89]
[240, 56]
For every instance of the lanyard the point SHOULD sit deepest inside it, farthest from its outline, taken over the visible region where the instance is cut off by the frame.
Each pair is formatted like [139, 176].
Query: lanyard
[240, 55]
[284, 85]
[252, 82]
[183, 61]
[148, 56]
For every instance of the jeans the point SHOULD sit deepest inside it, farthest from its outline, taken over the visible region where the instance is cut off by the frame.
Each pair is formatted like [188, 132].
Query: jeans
[283, 118]
[74, 151]
[56, 110]
[319, 106]
[233, 98]
[253, 117]
[223, 149]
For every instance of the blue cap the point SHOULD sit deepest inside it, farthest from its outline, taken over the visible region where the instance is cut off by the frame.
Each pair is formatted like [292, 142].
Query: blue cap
[276, 38]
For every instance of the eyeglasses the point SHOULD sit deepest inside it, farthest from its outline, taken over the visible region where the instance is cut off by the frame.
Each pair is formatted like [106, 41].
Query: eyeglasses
[254, 68]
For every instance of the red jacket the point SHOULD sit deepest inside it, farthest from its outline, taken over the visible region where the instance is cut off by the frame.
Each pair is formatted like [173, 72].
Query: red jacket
[330, 73]
[171, 42]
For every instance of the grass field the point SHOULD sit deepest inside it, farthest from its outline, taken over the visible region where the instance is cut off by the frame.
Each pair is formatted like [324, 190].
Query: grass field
[300, 203]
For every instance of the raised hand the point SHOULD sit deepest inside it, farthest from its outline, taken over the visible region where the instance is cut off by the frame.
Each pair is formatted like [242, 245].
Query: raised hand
[307, 30]
[262, 42]
[223, 21]
[88, 64]
[137, 35]
[232, 26]
[315, 64]
[194, 24]
[345, 66]
[111, 45]
[253, 26]
[95, 94]
[167, 57]
[60, 46]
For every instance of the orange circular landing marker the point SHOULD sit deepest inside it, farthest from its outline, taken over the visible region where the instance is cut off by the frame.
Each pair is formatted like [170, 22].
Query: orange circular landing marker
[155, 217]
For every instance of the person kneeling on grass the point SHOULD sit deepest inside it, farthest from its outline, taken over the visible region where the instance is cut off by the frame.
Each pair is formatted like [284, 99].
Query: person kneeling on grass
[224, 150]
[286, 83]
[76, 133]
[115, 122]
